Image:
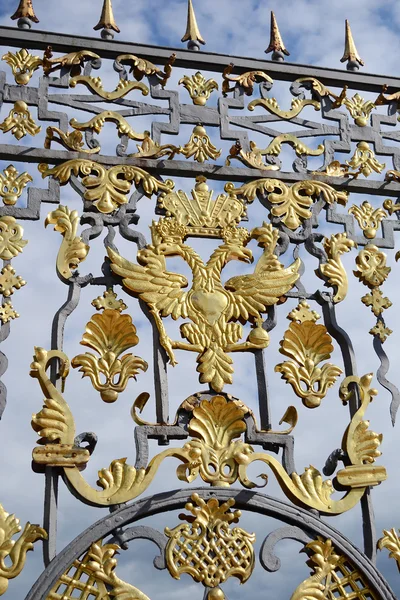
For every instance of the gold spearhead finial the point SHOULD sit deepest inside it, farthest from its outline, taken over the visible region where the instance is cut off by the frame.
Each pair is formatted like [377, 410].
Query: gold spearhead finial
[107, 22]
[24, 14]
[276, 45]
[192, 36]
[350, 51]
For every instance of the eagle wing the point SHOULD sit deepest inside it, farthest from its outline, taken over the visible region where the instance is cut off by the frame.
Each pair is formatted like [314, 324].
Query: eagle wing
[251, 294]
[152, 283]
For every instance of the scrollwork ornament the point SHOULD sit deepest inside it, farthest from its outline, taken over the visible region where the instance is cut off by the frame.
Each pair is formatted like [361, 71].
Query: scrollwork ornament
[72, 250]
[20, 121]
[71, 140]
[371, 266]
[95, 85]
[245, 80]
[73, 61]
[272, 106]
[333, 271]
[96, 124]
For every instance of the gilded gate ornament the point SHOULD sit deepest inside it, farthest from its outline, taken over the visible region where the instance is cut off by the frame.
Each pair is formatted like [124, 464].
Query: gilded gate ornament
[391, 541]
[22, 64]
[96, 124]
[376, 301]
[254, 157]
[7, 312]
[333, 271]
[72, 250]
[332, 575]
[20, 121]
[12, 184]
[363, 162]
[308, 344]
[9, 281]
[73, 60]
[106, 188]
[368, 218]
[11, 242]
[358, 108]
[292, 204]
[371, 266]
[200, 146]
[95, 85]
[94, 576]
[13, 552]
[198, 87]
[245, 80]
[71, 140]
[207, 547]
[212, 308]
[272, 106]
[109, 334]
[151, 149]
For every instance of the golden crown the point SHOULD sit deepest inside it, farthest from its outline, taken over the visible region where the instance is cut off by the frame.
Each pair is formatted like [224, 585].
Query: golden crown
[202, 215]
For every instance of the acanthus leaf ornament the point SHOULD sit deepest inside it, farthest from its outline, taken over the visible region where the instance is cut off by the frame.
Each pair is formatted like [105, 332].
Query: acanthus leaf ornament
[200, 146]
[245, 80]
[212, 308]
[11, 242]
[391, 541]
[152, 149]
[97, 122]
[333, 271]
[307, 344]
[22, 64]
[272, 106]
[198, 87]
[72, 250]
[95, 85]
[71, 140]
[358, 108]
[207, 547]
[73, 60]
[12, 184]
[106, 188]
[109, 334]
[20, 121]
[254, 157]
[13, 552]
[368, 218]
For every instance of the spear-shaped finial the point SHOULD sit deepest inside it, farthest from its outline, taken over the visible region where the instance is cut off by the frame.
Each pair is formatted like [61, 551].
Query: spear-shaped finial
[25, 14]
[192, 35]
[107, 22]
[350, 51]
[276, 45]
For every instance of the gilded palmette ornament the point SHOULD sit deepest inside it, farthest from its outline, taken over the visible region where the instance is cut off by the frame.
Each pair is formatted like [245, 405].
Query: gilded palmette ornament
[11, 242]
[73, 60]
[363, 162]
[71, 140]
[209, 539]
[333, 271]
[106, 188]
[245, 80]
[12, 184]
[376, 301]
[109, 334]
[358, 108]
[96, 124]
[291, 204]
[107, 22]
[151, 149]
[332, 574]
[13, 552]
[276, 45]
[198, 87]
[391, 541]
[9, 281]
[26, 13]
[192, 36]
[20, 121]
[94, 576]
[22, 64]
[354, 61]
[72, 250]
[371, 266]
[200, 146]
[368, 218]
[307, 344]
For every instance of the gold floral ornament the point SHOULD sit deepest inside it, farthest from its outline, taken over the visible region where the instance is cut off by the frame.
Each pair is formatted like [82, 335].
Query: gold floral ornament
[207, 547]
[96, 124]
[95, 85]
[9, 281]
[291, 204]
[109, 334]
[22, 64]
[364, 162]
[7, 313]
[93, 576]
[332, 575]
[13, 553]
[368, 218]
[358, 108]
[381, 331]
[198, 87]
[245, 80]
[308, 344]
[376, 301]
[73, 60]
[109, 300]
[12, 184]
[71, 140]
[371, 266]
[212, 308]
[333, 271]
[200, 147]
[72, 250]
[152, 149]
[106, 188]
[390, 540]
[254, 157]
[141, 67]
[20, 121]
[272, 106]
[11, 242]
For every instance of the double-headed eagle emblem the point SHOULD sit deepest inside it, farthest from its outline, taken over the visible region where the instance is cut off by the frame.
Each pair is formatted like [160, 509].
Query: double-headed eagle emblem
[216, 311]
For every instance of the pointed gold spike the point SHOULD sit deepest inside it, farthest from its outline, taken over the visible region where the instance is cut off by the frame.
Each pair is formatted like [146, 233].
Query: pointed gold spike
[350, 51]
[192, 36]
[25, 11]
[276, 45]
[107, 21]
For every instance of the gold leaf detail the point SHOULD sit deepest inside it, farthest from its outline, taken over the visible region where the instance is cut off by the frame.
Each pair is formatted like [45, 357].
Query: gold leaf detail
[254, 157]
[110, 334]
[207, 539]
[11, 242]
[109, 300]
[368, 219]
[71, 140]
[376, 301]
[106, 188]
[74, 60]
[391, 541]
[358, 108]
[95, 85]
[141, 67]
[20, 121]
[9, 281]
[244, 80]
[12, 184]
[364, 162]
[7, 312]
[371, 266]
[72, 250]
[97, 122]
[381, 331]
[302, 313]
[151, 149]
[308, 344]
[333, 270]
[13, 552]
[272, 106]
[198, 87]
[22, 64]
[200, 147]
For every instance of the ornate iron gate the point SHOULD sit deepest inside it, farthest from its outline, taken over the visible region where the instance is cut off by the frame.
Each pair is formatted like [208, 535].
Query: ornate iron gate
[289, 221]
